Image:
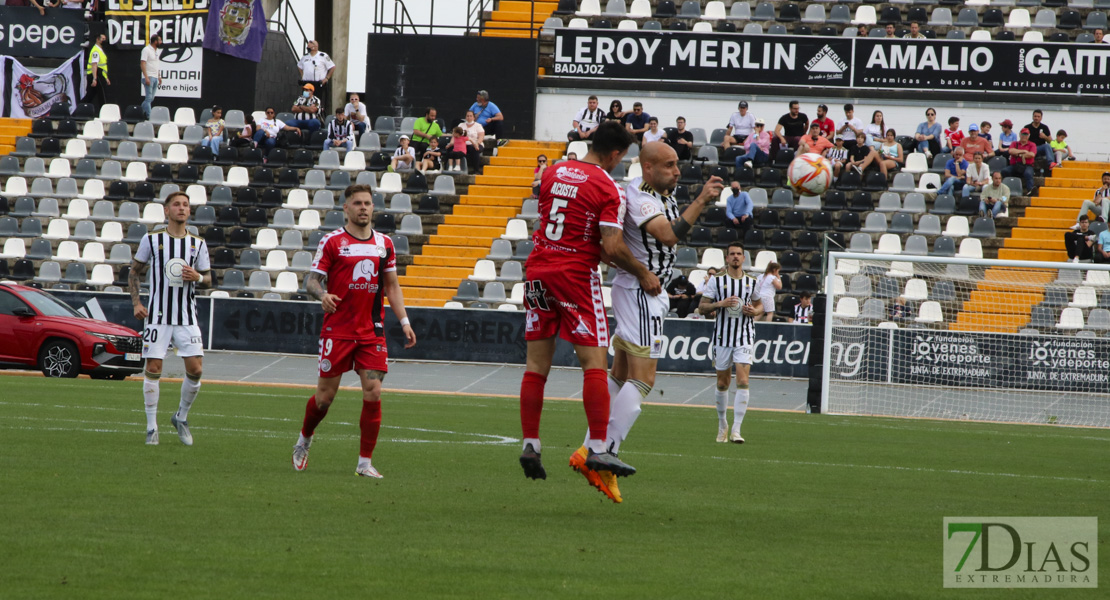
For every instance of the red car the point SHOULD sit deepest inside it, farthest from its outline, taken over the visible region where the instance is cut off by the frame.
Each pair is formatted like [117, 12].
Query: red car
[39, 331]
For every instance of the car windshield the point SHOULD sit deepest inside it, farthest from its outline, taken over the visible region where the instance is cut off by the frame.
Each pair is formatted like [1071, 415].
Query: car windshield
[49, 305]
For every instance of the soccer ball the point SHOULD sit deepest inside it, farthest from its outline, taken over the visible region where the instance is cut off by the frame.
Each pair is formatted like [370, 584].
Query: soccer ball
[810, 174]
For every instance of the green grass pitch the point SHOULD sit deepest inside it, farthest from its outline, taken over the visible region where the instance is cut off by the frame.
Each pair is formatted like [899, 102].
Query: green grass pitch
[812, 506]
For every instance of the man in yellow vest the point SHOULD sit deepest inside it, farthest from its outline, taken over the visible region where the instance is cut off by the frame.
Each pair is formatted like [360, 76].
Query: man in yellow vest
[96, 74]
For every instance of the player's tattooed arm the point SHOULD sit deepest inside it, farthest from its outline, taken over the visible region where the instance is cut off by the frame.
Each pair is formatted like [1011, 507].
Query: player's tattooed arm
[613, 246]
[314, 285]
[134, 285]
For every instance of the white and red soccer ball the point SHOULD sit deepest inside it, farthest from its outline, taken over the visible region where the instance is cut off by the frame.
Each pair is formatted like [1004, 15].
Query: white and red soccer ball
[810, 174]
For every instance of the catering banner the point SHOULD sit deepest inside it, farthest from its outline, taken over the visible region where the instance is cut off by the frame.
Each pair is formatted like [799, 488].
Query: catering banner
[236, 27]
[28, 95]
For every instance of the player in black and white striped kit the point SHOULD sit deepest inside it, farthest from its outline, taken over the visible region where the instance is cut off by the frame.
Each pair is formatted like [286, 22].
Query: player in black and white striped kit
[733, 295]
[177, 263]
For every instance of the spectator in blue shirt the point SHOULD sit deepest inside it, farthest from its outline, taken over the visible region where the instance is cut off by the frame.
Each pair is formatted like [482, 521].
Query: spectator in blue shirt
[637, 121]
[488, 116]
[927, 135]
[954, 172]
[1102, 254]
[1007, 137]
[738, 210]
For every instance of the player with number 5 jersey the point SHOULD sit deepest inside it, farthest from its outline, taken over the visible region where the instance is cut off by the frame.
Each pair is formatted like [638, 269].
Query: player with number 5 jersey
[581, 221]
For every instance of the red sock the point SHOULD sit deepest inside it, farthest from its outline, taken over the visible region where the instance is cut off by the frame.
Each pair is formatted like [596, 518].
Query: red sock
[595, 398]
[370, 423]
[313, 414]
[531, 403]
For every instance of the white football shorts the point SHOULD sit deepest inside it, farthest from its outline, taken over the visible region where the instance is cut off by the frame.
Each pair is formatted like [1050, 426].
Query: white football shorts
[186, 338]
[724, 358]
[639, 321]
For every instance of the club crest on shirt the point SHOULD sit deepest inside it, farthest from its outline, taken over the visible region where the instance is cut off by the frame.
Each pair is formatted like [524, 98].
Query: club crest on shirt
[648, 209]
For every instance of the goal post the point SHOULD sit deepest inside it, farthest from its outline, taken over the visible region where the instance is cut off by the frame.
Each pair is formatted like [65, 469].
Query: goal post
[967, 338]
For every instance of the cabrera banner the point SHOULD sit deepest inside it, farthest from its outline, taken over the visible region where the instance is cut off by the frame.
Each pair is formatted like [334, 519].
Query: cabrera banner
[28, 95]
[804, 61]
[236, 27]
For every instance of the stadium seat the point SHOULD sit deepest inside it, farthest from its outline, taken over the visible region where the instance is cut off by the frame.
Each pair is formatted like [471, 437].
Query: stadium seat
[929, 183]
[983, 228]
[928, 225]
[889, 243]
[846, 308]
[930, 312]
[875, 223]
[970, 248]
[957, 227]
[1099, 320]
[859, 286]
[1071, 319]
[1084, 297]
[901, 223]
[517, 229]
[861, 242]
[712, 258]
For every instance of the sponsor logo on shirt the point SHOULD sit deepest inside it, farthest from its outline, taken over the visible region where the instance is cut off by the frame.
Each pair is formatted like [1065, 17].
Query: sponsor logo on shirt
[572, 175]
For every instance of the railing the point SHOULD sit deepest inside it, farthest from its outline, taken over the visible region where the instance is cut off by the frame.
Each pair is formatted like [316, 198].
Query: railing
[284, 20]
[401, 20]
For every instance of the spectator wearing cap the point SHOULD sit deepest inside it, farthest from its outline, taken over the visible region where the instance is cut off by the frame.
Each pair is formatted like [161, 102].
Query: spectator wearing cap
[738, 209]
[927, 135]
[955, 172]
[978, 174]
[1100, 206]
[1041, 135]
[814, 142]
[740, 125]
[1005, 138]
[637, 121]
[993, 196]
[1079, 241]
[1022, 154]
[586, 121]
[307, 109]
[974, 143]
[680, 140]
[404, 157]
[838, 155]
[653, 133]
[790, 128]
[824, 123]
[757, 147]
[488, 115]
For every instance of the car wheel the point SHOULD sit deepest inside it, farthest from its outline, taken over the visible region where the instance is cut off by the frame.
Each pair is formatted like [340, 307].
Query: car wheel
[59, 358]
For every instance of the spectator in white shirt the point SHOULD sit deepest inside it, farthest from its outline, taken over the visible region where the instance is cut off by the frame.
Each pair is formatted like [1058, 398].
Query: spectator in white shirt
[586, 121]
[653, 133]
[404, 157]
[151, 66]
[740, 125]
[316, 68]
[266, 135]
[356, 112]
[978, 175]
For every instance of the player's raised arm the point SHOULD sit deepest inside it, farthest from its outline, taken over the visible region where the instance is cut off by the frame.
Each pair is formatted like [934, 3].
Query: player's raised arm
[397, 303]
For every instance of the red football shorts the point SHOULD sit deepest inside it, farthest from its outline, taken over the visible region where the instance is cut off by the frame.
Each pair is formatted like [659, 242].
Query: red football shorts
[567, 302]
[340, 356]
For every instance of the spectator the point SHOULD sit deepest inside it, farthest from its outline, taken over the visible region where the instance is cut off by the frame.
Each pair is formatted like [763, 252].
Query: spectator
[1041, 135]
[978, 175]
[928, 134]
[1007, 137]
[1078, 241]
[459, 145]
[955, 172]
[710, 273]
[680, 140]
[430, 161]
[890, 154]
[653, 133]
[1022, 154]
[1099, 37]
[681, 293]
[1101, 204]
[915, 32]
[489, 116]
[616, 112]
[404, 157]
[316, 68]
[245, 139]
[266, 135]
[838, 155]
[1060, 148]
[898, 310]
[993, 197]
[756, 147]
[876, 130]
[96, 73]
[572, 156]
[425, 129]
[890, 31]
[862, 31]
[814, 142]
[637, 122]
[151, 66]
[738, 209]
[828, 128]
[307, 110]
[803, 311]
[356, 112]
[586, 121]
[852, 129]
[766, 285]
[790, 129]
[537, 174]
[974, 143]
[1102, 247]
[214, 131]
[475, 142]
[740, 125]
[952, 137]
[340, 132]
[985, 133]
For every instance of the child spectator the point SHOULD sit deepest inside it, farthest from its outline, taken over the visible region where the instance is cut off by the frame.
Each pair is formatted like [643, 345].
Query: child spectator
[952, 136]
[767, 284]
[430, 160]
[985, 131]
[1006, 138]
[898, 309]
[837, 155]
[1059, 147]
[214, 130]
[458, 149]
[803, 311]
[404, 157]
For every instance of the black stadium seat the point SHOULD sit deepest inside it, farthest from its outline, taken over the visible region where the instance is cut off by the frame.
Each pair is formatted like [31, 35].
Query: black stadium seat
[245, 196]
[848, 181]
[753, 240]
[816, 264]
[714, 216]
[808, 241]
[767, 219]
[256, 217]
[835, 200]
[874, 182]
[795, 220]
[821, 221]
[133, 114]
[385, 223]
[50, 147]
[780, 240]
[228, 156]
[566, 7]
[271, 198]
[240, 237]
[770, 178]
[861, 203]
[849, 222]
[187, 174]
[700, 237]
[214, 237]
[262, 177]
[67, 129]
[201, 156]
[665, 10]
[160, 173]
[288, 178]
[42, 128]
[277, 158]
[726, 236]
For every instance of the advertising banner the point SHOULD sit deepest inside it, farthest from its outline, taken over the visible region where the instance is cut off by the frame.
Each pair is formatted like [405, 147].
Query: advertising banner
[57, 34]
[236, 27]
[181, 24]
[29, 95]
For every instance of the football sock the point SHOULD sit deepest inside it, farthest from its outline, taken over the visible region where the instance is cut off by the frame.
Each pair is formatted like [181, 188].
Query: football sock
[615, 386]
[626, 408]
[739, 407]
[150, 398]
[363, 462]
[595, 399]
[722, 408]
[313, 414]
[189, 389]
[303, 441]
[531, 406]
[370, 423]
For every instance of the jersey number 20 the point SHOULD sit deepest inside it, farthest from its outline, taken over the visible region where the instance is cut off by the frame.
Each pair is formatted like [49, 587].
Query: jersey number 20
[554, 229]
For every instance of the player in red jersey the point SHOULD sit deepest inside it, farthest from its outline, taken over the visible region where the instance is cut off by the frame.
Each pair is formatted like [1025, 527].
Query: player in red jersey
[581, 221]
[359, 266]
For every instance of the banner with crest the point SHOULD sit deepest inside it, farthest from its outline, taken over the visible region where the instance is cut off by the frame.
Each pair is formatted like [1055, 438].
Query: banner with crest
[236, 27]
[30, 95]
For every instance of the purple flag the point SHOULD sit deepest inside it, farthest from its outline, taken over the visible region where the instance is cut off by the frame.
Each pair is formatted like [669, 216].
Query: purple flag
[236, 27]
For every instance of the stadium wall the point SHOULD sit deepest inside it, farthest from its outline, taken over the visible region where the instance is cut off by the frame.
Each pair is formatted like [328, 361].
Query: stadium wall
[556, 107]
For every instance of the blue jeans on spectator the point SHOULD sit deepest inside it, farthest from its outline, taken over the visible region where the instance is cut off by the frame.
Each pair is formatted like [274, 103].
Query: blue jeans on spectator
[754, 154]
[951, 184]
[150, 88]
[213, 143]
[309, 124]
[994, 208]
[263, 141]
[970, 188]
[1021, 170]
[1046, 151]
[349, 144]
[360, 127]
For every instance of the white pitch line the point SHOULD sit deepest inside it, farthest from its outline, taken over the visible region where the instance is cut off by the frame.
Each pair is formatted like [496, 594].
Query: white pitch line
[703, 390]
[280, 358]
[479, 380]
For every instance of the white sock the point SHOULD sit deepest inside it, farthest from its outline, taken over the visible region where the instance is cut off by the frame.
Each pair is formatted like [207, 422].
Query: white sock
[363, 462]
[624, 411]
[303, 441]
[598, 446]
[722, 408]
[739, 408]
[150, 399]
[189, 389]
[535, 444]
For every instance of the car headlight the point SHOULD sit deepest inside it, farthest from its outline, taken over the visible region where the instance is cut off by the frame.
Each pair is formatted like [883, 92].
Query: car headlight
[105, 336]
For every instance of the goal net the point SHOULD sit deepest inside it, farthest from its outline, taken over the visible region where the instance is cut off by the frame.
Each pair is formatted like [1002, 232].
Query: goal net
[975, 339]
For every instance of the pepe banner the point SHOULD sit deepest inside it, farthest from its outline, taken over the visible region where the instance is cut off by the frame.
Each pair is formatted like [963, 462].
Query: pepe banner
[30, 95]
[237, 28]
